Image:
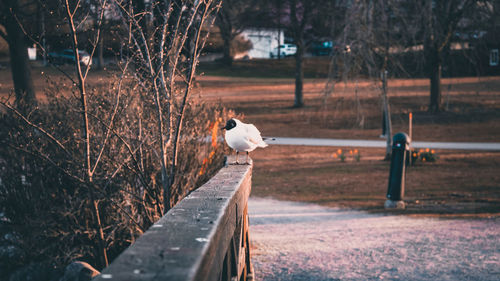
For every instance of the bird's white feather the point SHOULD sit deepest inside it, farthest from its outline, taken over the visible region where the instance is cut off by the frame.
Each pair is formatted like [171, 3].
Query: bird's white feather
[244, 137]
[254, 135]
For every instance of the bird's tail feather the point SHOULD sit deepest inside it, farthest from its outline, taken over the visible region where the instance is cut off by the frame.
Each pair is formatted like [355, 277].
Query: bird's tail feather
[264, 144]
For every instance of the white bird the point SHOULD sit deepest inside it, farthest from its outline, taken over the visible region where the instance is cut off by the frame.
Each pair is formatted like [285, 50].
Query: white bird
[242, 137]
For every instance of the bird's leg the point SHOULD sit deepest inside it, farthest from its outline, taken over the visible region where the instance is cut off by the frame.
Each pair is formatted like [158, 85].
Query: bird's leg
[237, 152]
[246, 161]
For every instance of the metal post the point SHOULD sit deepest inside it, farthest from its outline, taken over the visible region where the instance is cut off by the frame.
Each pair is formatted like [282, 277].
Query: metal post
[395, 190]
[409, 157]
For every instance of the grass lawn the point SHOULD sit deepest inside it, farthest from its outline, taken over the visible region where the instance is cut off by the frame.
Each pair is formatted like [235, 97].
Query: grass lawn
[459, 182]
[314, 67]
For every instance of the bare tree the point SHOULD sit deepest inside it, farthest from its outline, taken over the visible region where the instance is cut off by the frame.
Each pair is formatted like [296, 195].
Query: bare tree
[232, 18]
[305, 21]
[376, 29]
[158, 56]
[82, 76]
[440, 20]
[300, 17]
[429, 24]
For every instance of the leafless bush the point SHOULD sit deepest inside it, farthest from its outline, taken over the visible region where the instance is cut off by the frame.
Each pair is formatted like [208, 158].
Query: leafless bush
[49, 204]
[93, 168]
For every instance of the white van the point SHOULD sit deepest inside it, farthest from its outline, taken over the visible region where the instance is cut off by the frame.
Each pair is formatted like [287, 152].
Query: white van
[285, 50]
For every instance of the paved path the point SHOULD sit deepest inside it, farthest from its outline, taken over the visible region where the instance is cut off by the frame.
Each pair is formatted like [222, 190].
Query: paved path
[297, 241]
[490, 146]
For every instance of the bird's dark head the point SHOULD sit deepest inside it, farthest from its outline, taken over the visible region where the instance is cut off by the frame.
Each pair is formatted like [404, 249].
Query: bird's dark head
[230, 124]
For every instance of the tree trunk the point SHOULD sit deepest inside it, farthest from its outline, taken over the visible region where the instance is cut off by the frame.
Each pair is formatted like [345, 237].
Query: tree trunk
[100, 53]
[432, 55]
[227, 59]
[19, 63]
[435, 79]
[299, 77]
[226, 32]
[100, 42]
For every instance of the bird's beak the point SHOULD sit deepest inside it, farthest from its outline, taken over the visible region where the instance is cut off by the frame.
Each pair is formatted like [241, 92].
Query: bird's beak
[222, 128]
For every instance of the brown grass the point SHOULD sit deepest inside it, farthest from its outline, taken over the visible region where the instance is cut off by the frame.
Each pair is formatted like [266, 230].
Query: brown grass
[460, 182]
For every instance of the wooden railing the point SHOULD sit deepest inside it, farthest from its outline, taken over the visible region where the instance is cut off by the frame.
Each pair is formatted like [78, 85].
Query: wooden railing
[204, 237]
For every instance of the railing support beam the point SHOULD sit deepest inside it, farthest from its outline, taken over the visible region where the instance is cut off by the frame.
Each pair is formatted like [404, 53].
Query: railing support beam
[204, 237]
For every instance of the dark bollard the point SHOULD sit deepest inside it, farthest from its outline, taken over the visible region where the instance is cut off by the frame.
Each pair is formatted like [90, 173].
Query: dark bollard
[396, 188]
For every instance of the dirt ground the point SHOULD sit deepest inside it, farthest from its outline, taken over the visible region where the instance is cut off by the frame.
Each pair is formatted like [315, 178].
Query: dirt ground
[464, 183]
[459, 182]
[329, 244]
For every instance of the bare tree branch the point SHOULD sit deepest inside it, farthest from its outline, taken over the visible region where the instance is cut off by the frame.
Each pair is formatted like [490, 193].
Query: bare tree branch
[83, 98]
[44, 157]
[112, 118]
[4, 35]
[192, 70]
[28, 122]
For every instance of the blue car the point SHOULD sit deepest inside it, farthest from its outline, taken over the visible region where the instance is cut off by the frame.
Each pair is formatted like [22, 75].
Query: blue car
[67, 56]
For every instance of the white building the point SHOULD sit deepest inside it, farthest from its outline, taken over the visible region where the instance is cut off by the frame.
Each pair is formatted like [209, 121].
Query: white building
[263, 41]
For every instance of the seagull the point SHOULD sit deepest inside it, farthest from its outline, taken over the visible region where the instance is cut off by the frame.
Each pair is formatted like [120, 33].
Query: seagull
[242, 137]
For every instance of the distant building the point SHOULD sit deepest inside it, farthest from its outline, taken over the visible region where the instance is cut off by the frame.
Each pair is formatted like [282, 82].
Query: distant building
[263, 41]
[492, 43]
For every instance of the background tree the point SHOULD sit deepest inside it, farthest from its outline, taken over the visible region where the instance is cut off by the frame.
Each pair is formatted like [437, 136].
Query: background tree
[233, 17]
[478, 31]
[99, 23]
[439, 22]
[375, 34]
[306, 22]
[300, 17]
[12, 14]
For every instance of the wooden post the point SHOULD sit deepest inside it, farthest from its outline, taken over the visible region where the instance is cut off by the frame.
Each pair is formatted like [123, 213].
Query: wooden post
[387, 116]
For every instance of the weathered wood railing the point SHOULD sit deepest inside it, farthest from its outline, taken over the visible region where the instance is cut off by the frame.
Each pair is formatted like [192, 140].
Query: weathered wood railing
[204, 237]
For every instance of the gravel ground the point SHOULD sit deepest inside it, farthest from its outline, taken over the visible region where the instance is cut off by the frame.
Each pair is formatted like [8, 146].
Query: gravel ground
[298, 241]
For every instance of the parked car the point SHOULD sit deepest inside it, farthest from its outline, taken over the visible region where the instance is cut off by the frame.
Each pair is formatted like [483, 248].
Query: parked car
[67, 56]
[327, 47]
[285, 50]
[323, 48]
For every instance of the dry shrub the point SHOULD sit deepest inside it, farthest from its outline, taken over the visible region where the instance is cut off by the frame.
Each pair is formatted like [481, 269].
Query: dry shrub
[47, 205]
